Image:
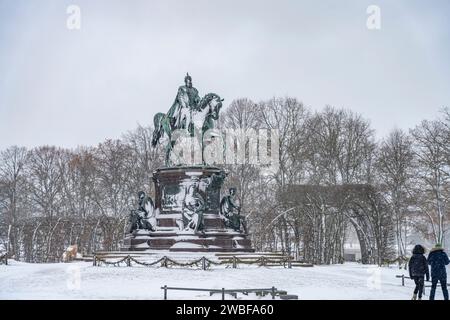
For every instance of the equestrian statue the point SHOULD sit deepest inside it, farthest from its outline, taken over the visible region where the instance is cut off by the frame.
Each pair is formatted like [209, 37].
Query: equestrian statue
[188, 112]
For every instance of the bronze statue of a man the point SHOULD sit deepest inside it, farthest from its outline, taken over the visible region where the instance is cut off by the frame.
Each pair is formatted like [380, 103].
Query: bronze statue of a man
[186, 102]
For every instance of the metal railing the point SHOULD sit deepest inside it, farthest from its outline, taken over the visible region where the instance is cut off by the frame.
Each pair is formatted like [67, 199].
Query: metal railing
[233, 292]
[403, 277]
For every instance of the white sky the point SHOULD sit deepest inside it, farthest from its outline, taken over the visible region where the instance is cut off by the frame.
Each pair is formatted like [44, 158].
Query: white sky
[78, 87]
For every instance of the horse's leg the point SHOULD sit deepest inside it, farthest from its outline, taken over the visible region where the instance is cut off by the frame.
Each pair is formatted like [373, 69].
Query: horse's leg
[166, 127]
[157, 130]
[205, 127]
[202, 146]
[168, 150]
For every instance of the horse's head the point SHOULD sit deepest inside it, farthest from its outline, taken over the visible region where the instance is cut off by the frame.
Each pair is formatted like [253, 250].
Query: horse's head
[215, 104]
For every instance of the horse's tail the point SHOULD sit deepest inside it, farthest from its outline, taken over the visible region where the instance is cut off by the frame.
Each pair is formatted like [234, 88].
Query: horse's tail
[158, 131]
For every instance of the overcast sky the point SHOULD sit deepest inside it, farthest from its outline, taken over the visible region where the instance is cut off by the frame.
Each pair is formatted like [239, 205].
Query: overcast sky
[78, 87]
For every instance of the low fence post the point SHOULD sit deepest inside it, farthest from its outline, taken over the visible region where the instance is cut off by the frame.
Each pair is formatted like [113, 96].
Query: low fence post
[95, 260]
[263, 261]
[403, 280]
[273, 292]
[204, 263]
[223, 293]
[165, 292]
[234, 262]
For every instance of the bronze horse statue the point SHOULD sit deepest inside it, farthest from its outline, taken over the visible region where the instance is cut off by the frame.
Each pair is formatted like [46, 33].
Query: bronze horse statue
[207, 110]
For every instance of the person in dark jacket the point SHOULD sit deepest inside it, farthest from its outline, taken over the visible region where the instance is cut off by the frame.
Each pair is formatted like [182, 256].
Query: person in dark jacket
[418, 269]
[438, 259]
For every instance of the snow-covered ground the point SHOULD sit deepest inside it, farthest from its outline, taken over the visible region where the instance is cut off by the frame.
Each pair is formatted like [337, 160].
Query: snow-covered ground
[81, 280]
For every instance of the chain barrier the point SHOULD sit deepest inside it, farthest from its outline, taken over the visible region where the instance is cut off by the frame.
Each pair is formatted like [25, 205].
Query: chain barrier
[203, 262]
[148, 264]
[114, 263]
[187, 264]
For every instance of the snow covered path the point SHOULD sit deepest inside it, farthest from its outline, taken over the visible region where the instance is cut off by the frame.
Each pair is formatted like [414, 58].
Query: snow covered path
[80, 280]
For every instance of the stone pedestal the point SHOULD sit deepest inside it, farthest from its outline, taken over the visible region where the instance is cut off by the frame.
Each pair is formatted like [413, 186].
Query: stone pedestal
[172, 185]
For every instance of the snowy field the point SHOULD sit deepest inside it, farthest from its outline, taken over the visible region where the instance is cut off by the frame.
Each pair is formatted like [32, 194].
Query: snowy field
[81, 280]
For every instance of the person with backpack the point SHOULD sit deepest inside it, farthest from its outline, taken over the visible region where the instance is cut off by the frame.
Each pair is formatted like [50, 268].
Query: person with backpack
[438, 259]
[418, 269]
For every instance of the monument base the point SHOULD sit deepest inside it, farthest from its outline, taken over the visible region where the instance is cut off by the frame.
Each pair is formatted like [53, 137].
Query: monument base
[172, 186]
[168, 236]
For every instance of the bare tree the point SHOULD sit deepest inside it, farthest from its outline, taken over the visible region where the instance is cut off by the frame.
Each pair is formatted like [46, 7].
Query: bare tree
[13, 192]
[395, 169]
[114, 188]
[432, 189]
[146, 159]
[45, 180]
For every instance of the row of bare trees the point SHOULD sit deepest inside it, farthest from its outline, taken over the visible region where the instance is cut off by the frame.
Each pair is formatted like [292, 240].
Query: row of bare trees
[400, 187]
[333, 178]
[51, 197]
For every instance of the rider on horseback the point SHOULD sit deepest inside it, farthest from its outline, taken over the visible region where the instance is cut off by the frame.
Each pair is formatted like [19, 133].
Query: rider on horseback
[185, 110]
[186, 101]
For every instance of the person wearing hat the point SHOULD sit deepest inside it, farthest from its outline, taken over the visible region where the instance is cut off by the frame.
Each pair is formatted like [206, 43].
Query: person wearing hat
[418, 269]
[438, 259]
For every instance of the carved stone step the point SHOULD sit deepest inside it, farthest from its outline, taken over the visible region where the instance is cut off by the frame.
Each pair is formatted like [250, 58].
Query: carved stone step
[217, 241]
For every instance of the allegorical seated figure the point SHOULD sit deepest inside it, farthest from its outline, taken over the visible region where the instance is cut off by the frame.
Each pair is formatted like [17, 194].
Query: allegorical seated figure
[140, 218]
[230, 211]
[193, 209]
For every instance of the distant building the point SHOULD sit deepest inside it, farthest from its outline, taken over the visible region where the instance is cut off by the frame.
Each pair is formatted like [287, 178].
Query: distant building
[352, 250]
[352, 253]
